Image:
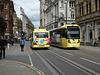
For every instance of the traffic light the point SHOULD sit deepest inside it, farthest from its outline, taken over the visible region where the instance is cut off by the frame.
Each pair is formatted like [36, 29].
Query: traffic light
[22, 34]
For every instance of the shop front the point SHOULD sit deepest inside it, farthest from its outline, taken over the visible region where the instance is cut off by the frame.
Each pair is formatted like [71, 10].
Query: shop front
[97, 31]
[90, 33]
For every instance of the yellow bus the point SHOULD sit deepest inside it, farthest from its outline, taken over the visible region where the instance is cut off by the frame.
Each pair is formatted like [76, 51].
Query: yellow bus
[67, 36]
[40, 38]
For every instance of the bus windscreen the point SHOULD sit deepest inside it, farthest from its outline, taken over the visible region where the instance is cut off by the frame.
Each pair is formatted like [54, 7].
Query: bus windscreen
[41, 34]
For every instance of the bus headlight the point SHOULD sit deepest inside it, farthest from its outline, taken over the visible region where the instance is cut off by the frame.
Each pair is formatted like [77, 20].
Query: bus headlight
[69, 41]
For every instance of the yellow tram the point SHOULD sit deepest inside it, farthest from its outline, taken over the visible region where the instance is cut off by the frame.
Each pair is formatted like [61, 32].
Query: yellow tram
[67, 36]
[40, 38]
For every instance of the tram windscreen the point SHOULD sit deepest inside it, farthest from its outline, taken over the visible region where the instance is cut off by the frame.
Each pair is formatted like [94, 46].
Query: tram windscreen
[41, 34]
[73, 32]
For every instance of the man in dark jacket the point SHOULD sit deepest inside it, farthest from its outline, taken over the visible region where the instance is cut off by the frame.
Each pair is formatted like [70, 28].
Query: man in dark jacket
[3, 44]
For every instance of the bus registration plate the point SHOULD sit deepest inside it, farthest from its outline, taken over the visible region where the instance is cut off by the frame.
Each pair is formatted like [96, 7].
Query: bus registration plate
[41, 45]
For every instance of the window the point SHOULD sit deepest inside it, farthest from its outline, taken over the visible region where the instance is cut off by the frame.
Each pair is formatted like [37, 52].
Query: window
[72, 15]
[96, 5]
[99, 4]
[82, 11]
[72, 4]
[6, 16]
[87, 8]
[5, 6]
[62, 5]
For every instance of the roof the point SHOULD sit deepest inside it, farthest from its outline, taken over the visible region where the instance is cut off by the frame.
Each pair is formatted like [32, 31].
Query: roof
[39, 30]
[63, 27]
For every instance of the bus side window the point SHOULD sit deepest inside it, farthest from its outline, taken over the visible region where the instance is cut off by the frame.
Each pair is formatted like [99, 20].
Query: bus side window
[63, 35]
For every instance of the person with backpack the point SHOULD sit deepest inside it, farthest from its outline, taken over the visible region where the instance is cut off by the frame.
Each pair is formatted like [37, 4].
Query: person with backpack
[22, 43]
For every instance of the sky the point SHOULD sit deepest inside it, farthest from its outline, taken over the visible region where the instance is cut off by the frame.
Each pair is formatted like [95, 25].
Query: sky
[31, 9]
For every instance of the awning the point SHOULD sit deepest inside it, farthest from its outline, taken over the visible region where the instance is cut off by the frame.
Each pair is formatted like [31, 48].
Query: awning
[3, 23]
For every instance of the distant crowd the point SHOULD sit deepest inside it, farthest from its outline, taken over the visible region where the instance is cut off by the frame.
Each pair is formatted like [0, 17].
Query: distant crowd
[3, 44]
[7, 43]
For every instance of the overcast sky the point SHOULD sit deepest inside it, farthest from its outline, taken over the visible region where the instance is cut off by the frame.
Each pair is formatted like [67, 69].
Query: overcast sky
[32, 10]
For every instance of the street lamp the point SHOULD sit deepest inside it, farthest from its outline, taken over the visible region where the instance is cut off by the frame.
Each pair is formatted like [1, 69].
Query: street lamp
[66, 2]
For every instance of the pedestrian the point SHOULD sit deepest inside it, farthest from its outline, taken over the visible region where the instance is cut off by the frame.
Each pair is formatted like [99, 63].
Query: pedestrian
[95, 41]
[12, 42]
[22, 43]
[8, 44]
[3, 44]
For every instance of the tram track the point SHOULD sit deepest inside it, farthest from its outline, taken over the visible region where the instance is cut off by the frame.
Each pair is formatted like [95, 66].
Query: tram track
[78, 66]
[54, 70]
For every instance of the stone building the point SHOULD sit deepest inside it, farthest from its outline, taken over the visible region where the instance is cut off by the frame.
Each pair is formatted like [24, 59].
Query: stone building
[29, 29]
[88, 17]
[42, 2]
[27, 25]
[58, 12]
[3, 25]
[17, 28]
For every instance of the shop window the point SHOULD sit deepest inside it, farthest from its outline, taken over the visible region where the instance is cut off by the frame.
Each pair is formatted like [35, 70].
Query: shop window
[82, 33]
[98, 33]
[89, 32]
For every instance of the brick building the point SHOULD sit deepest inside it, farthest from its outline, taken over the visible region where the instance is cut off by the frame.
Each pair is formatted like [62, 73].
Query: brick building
[3, 25]
[8, 12]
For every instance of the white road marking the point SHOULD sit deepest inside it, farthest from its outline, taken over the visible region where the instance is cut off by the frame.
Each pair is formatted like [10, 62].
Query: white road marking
[68, 53]
[79, 66]
[56, 49]
[30, 59]
[90, 61]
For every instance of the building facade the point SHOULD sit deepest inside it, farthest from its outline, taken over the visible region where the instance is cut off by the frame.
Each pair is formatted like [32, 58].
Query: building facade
[8, 13]
[3, 25]
[17, 28]
[27, 26]
[42, 4]
[29, 29]
[58, 12]
[88, 17]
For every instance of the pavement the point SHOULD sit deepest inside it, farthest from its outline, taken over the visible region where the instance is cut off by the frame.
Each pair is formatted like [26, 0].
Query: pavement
[9, 67]
[90, 48]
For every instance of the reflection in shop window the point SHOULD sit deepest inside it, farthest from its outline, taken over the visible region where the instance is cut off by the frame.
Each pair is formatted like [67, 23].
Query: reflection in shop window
[89, 32]
[82, 33]
[98, 33]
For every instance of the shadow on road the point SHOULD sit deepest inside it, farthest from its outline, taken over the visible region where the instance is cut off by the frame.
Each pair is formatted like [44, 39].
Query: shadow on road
[40, 48]
[67, 48]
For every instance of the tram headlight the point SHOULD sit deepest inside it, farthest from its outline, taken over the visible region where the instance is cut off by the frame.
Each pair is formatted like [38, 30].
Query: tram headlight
[48, 43]
[78, 41]
[34, 43]
[69, 41]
